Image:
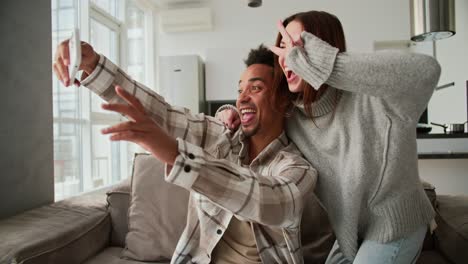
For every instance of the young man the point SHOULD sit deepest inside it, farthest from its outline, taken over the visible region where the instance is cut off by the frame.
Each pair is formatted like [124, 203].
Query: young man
[247, 189]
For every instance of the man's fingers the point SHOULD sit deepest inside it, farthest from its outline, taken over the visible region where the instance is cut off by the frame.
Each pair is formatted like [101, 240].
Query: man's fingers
[61, 71]
[130, 99]
[84, 75]
[132, 136]
[124, 109]
[64, 52]
[124, 126]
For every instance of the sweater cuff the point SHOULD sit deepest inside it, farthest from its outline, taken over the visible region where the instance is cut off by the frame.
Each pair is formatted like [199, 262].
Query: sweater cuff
[187, 165]
[225, 107]
[314, 62]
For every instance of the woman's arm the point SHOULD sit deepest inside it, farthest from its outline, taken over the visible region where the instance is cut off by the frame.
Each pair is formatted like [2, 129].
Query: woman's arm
[404, 80]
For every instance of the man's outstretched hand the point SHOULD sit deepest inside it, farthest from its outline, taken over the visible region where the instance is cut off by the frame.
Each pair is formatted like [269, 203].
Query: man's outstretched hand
[140, 129]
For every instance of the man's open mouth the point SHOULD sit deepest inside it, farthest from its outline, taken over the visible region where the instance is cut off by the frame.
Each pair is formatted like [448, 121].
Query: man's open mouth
[247, 115]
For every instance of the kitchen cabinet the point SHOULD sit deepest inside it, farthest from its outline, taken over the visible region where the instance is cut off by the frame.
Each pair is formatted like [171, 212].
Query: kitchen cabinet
[443, 146]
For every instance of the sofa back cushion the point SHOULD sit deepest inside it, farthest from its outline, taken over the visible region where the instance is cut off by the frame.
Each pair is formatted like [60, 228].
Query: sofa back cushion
[157, 213]
[452, 231]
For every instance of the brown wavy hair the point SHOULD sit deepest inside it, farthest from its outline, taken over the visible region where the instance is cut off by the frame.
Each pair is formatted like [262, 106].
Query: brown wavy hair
[324, 26]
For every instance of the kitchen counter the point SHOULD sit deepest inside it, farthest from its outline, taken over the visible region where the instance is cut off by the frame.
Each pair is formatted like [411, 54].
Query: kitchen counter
[442, 135]
[442, 146]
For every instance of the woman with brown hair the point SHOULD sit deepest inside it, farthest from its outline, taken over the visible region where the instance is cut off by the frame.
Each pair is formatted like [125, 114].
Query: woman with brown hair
[354, 119]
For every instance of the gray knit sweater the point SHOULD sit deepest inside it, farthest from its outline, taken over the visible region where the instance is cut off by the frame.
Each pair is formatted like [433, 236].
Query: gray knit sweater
[363, 142]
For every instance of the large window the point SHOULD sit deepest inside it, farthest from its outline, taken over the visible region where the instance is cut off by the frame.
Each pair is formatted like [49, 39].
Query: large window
[85, 159]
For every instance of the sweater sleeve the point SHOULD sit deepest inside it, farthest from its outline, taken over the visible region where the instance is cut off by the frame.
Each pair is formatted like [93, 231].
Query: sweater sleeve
[177, 121]
[275, 200]
[405, 81]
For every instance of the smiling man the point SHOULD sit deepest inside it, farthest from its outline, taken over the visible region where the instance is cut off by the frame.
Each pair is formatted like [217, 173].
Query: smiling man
[248, 189]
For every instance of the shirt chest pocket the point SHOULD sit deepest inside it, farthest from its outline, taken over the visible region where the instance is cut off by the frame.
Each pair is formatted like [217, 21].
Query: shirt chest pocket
[207, 207]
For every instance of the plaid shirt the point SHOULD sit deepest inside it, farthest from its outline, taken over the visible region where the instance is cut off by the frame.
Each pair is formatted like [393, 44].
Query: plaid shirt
[269, 192]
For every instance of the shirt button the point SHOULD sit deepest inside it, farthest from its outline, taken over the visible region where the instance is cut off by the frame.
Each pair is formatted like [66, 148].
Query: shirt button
[191, 156]
[219, 231]
[187, 168]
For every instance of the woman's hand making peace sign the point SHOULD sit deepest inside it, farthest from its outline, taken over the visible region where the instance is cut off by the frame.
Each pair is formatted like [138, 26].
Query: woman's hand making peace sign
[287, 43]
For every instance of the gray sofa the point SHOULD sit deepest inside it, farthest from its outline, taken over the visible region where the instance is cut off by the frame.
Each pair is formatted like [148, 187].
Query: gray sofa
[91, 229]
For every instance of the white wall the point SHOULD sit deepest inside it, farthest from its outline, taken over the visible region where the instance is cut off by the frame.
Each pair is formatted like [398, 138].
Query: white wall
[26, 135]
[239, 28]
[448, 176]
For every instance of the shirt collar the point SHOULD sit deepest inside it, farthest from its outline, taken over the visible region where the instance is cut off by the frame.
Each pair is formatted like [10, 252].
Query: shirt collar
[268, 153]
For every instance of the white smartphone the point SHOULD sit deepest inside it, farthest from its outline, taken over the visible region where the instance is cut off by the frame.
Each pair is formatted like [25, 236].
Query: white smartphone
[74, 48]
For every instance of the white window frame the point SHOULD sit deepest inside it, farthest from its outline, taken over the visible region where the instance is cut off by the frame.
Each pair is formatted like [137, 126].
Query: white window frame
[85, 11]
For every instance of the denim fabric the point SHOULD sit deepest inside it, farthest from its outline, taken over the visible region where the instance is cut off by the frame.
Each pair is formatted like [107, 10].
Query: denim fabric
[402, 251]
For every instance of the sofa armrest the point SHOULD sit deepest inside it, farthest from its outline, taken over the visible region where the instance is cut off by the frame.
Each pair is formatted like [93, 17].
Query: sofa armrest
[451, 235]
[69, 231]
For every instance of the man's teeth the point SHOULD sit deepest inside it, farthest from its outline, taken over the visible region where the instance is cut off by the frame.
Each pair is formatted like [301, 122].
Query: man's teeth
[245, 111]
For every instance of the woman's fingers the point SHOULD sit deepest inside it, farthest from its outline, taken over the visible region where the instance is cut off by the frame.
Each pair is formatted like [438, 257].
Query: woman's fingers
[235, 124]
[277, 50]
[130, 99]
[298, 41]
[286, 37]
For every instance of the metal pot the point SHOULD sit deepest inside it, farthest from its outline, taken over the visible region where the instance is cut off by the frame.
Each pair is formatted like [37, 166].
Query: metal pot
[454, 128]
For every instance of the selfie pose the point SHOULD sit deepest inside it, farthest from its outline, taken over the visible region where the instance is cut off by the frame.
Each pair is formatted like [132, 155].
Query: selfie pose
[248, 189]
[354, 120]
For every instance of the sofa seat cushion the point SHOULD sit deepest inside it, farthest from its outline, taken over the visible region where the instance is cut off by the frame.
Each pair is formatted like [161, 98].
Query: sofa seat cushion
[77, 227]
[452, 231]
[111, 255]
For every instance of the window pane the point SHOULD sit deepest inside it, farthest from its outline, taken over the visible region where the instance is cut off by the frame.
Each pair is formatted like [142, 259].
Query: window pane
[67, 124]
[135, 20]
[104, 40]
[106, 155]
[66, 160]
[105, 159]
[85, 159]
[110, 6]
[66, 3]
[136, 65]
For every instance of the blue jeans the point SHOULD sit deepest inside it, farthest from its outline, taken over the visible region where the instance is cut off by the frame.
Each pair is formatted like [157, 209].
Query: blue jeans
[402, 251]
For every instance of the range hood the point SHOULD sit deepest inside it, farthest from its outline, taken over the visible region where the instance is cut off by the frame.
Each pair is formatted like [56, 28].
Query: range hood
[432, 19]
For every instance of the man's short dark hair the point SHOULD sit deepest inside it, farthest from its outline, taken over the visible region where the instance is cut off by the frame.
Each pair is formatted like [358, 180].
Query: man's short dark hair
[260, 55]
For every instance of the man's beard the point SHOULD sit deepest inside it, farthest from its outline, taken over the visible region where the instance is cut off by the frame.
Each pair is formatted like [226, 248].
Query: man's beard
[251, 132]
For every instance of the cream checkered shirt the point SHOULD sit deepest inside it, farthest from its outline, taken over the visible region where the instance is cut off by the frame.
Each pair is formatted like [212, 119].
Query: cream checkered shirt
[269, 193]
